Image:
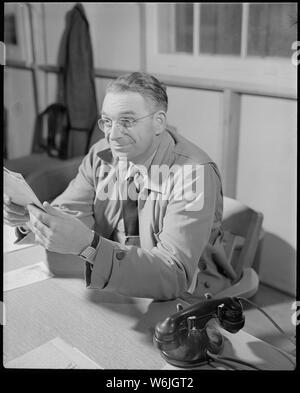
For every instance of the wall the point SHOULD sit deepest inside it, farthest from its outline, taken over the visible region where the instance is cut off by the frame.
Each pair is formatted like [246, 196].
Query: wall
[266, 173]
[19, 102]
[267, 181]
[200, 121]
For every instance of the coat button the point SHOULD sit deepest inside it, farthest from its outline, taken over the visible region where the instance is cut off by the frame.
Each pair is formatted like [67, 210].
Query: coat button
[207, 284]
[120, 255]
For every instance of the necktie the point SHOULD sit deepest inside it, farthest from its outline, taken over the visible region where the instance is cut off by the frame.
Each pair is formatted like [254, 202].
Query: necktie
[130, 208]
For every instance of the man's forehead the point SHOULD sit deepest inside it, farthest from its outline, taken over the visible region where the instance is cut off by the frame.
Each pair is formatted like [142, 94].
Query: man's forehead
[123, 103]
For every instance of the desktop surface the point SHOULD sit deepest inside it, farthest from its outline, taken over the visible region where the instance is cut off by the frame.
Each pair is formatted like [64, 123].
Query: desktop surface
[114, 331]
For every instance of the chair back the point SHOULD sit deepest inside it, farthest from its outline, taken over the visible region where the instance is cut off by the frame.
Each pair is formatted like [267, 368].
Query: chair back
[242, 228]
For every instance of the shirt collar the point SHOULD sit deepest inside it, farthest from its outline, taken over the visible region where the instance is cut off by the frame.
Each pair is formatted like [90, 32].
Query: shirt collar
[143, 168]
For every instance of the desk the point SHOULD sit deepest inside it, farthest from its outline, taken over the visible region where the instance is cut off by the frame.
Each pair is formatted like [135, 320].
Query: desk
[113, 330]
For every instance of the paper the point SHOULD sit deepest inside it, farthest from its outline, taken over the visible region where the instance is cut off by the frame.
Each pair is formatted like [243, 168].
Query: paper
[25, 276]
[55, 354]
[9, 238]
[16, 187]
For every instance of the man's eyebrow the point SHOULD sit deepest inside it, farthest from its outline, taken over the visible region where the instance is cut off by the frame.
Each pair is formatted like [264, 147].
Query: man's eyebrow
[121, 114]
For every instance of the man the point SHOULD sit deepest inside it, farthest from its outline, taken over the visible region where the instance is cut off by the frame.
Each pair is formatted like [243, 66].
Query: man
[163, 241]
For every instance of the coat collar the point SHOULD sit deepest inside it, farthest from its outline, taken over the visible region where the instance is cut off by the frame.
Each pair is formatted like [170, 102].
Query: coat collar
[164, 155]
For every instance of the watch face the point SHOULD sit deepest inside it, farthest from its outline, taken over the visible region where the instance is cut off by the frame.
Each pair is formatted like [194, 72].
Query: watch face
[88, 252]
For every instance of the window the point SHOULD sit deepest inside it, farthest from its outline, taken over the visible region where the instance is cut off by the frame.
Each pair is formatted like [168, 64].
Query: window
[220, 29]
[175, 28]
[228, 29]
[272, 29]
[223, 41]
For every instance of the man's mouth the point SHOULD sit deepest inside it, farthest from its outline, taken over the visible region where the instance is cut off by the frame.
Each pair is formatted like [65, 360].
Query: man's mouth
[120, 146]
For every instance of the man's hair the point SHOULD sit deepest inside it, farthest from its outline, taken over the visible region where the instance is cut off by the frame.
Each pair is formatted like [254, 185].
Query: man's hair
[146, 85]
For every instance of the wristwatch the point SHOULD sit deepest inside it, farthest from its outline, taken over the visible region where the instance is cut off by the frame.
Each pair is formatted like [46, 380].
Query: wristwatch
[89, 252]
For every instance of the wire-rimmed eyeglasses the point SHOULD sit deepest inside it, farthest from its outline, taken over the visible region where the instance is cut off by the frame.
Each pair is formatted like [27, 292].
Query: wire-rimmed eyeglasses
[105, 124]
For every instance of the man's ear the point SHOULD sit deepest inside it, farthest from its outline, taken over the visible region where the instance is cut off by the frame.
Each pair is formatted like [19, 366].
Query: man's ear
[160, 122]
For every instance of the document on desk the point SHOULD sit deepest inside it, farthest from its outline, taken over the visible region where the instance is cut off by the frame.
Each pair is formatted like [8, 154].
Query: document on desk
[25, 276]
[16, 187]
[55, 354]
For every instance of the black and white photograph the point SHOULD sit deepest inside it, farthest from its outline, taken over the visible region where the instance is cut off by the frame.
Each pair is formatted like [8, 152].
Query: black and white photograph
[150, 190]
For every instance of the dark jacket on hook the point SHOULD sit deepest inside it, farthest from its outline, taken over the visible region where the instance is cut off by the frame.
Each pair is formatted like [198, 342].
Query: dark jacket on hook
[76, 84]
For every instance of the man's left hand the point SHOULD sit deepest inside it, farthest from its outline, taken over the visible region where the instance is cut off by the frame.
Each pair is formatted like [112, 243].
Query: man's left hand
[58, 231]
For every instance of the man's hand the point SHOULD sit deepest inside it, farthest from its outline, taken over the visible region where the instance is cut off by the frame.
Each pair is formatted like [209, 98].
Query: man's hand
[58, 231]
[14, 215]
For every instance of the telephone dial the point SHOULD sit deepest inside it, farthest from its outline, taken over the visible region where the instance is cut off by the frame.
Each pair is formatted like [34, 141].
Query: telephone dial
[186, 338]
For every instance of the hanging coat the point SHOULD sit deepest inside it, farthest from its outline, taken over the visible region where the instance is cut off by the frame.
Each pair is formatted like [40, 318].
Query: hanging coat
[76, 83]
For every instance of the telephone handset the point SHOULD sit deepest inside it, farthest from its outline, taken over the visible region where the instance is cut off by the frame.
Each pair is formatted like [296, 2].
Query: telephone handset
[185, 337]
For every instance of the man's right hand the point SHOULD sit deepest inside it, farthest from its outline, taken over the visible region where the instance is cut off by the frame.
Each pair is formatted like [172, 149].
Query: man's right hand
[14, 215]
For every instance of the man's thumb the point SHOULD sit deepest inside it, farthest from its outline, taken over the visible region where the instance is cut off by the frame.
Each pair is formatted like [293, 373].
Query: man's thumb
[53, 211]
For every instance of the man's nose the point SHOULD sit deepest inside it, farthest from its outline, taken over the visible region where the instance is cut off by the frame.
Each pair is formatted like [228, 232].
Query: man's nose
[115, 132]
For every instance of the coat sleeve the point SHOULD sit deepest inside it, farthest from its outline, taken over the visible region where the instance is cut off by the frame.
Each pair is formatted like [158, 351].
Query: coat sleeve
[167, 270]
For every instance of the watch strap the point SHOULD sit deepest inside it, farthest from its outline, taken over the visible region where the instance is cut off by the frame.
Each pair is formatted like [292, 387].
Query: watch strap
[95, 240]
[89, 252]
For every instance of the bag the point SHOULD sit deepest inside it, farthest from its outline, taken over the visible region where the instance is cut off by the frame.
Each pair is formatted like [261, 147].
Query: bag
[52, 131]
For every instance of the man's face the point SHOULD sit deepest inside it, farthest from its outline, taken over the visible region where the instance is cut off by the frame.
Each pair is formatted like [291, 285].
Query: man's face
[137, 142]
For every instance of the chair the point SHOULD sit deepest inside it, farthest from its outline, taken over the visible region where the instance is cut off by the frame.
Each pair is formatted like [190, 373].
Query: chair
[242, 233]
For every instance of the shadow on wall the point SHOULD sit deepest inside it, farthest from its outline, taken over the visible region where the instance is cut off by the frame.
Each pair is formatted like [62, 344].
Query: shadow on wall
[275, 262]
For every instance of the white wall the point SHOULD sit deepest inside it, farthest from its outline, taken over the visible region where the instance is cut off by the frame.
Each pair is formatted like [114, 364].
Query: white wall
[115, 34]
[114, 29]
[54, 25]
[267, 181]
[19, 102]
[197, 115]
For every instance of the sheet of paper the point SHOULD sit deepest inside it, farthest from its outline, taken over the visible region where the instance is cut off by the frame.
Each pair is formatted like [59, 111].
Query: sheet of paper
[25, 276]
[19, 190]
[9, 237]
[55, 354]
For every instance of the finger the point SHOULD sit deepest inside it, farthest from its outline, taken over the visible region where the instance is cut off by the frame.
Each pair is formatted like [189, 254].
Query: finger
[11, 223]
[39, 215]
[15, 218]
[16, 209]
[40, 240]
[8, 202]
[29, 226]
[52, 210]
[41, 228]
[10, 213]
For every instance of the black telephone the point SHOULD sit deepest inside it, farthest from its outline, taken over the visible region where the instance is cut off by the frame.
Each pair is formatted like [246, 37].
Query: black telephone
[185, 337]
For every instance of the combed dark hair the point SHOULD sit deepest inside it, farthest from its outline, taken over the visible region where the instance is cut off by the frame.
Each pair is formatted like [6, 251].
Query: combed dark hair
[145, 84]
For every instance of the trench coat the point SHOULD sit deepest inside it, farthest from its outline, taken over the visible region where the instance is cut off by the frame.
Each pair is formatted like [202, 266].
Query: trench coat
[180, 252]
